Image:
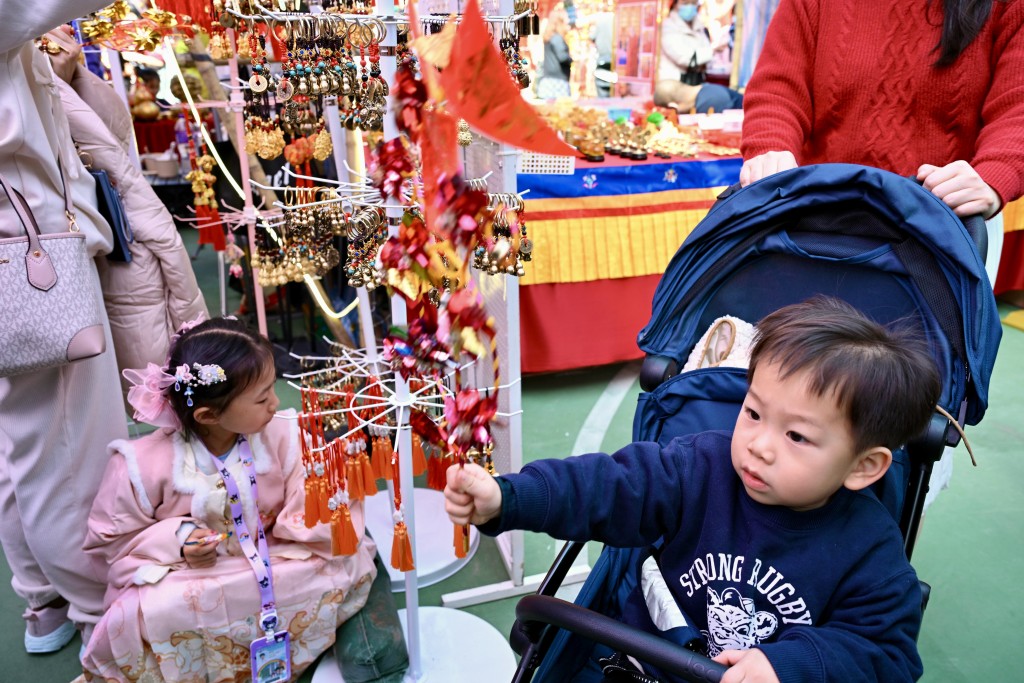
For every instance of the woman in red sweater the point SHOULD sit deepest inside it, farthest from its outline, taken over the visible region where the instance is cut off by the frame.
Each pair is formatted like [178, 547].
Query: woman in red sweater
[928, 88]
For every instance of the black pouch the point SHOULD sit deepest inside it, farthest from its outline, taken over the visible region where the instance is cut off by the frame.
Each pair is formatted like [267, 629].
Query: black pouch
[110, 207]
[694, 75]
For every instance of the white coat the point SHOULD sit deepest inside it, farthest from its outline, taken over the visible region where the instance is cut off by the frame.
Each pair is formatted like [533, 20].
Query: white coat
[679, 43]
[54, 423]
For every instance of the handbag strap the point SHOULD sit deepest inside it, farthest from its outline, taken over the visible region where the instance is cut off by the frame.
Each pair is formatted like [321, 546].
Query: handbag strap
[69, 206]
[24, 211]
[39, 268]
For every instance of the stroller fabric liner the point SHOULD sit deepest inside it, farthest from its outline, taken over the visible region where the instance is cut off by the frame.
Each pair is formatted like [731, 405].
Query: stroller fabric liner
[877, 240]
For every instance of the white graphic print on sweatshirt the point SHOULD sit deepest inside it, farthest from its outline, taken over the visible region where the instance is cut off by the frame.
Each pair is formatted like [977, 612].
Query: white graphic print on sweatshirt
[734, 622]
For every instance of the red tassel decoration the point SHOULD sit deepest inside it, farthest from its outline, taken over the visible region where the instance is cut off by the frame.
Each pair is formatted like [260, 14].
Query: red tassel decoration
[343, 534]
[312, 514]
[401, 549]
[366, 472]
[355, 479]
[461, 540]
[388, 454]
[322, 500]
[377, 458]
[435, 473]
[419, 458]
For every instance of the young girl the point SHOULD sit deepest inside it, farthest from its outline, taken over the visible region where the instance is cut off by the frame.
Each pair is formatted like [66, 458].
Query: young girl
[211, 567]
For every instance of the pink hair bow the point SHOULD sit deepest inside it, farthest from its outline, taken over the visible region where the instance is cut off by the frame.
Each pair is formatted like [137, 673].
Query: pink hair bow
[185, 327]
[148, 398]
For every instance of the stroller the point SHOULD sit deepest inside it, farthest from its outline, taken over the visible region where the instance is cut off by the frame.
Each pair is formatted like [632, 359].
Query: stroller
[879, 241]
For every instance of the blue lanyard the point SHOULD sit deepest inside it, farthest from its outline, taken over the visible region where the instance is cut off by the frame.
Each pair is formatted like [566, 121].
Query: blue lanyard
[257, 553]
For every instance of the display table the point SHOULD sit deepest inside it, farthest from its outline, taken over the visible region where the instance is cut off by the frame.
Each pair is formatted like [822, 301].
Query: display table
[602, 238]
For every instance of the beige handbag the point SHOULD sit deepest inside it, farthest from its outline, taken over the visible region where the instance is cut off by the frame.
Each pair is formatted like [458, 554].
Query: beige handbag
[49, 304]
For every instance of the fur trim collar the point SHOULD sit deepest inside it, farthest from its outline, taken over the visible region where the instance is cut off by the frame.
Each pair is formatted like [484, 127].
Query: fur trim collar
[127, 450]
[208, 496]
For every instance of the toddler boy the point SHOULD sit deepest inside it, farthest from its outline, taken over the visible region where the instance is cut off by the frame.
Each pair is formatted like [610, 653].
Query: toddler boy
[788, 566]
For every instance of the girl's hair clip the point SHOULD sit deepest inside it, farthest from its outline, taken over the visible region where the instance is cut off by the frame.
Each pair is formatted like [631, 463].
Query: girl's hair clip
[204, 375]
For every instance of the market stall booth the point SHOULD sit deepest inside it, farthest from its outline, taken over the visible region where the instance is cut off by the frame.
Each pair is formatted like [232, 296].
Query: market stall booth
[603, 236]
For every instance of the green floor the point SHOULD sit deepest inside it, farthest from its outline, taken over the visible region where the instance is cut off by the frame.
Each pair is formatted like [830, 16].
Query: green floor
[968, 550]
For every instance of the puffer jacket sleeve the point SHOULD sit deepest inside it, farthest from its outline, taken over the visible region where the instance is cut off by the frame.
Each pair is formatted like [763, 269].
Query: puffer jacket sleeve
[150, 297]
[106, 103]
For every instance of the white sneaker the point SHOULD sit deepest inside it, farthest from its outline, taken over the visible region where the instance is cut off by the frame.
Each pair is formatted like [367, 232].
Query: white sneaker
[47, 629]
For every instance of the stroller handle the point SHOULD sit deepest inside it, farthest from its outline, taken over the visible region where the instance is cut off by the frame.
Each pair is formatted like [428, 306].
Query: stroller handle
[533, 611]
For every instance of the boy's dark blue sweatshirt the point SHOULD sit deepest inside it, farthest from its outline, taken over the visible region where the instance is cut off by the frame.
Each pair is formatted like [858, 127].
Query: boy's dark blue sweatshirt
[826, 594]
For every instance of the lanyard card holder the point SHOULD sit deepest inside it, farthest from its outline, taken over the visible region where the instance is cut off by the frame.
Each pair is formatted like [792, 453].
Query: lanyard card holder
[271, 658]
[270, 655]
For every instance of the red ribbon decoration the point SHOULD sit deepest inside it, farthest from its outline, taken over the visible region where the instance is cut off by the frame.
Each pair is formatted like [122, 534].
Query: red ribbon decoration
[480, 90]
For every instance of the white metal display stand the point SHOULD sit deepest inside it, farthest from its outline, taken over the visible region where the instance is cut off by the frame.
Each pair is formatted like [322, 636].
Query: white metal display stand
[435, 636]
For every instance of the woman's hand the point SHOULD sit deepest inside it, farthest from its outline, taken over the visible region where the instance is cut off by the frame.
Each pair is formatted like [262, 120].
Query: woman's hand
[961, 188]
[200, 549]
[763, 165]
[63, 50]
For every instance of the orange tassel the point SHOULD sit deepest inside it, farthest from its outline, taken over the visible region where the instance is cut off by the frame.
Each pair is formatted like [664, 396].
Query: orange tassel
[355, 480]
[325, 510]
[369, 480]
[343, 534]
[312, 509]
[419, 458]
[401, 549]
[387, 472]
[461, 540]
[377, 458]
[434, 477]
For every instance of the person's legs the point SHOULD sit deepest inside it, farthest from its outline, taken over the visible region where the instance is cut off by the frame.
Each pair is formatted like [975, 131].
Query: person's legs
[714, 97]
[27, 580]
[47, 627]
[370, 647]
[57, 423]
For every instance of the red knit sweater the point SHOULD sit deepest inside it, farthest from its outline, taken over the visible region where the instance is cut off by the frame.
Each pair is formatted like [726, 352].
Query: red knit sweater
[853, 81]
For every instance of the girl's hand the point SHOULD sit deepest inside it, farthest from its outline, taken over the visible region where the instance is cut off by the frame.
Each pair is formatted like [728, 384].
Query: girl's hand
[748, 666]
[961, 188]
[763, 165]
[471, 496]
[200, 549]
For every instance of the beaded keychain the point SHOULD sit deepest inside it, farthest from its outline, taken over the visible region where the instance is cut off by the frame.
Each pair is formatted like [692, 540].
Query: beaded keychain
[259, 81]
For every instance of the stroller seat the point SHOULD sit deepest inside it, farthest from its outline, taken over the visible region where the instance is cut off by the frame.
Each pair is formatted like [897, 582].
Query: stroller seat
[874, 239]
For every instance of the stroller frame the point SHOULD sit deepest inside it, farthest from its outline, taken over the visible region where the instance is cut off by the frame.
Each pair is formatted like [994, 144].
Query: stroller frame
[539, 616]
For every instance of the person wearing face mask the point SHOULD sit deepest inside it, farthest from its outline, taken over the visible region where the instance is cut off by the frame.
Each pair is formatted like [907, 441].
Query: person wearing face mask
[685, 53]
[685, 45]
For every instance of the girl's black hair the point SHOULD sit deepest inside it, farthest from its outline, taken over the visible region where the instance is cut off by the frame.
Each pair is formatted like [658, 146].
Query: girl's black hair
[962, 21]
[242, 353]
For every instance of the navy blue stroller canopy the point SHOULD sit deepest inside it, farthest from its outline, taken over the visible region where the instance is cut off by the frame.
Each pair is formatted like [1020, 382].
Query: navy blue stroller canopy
[875, 239]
